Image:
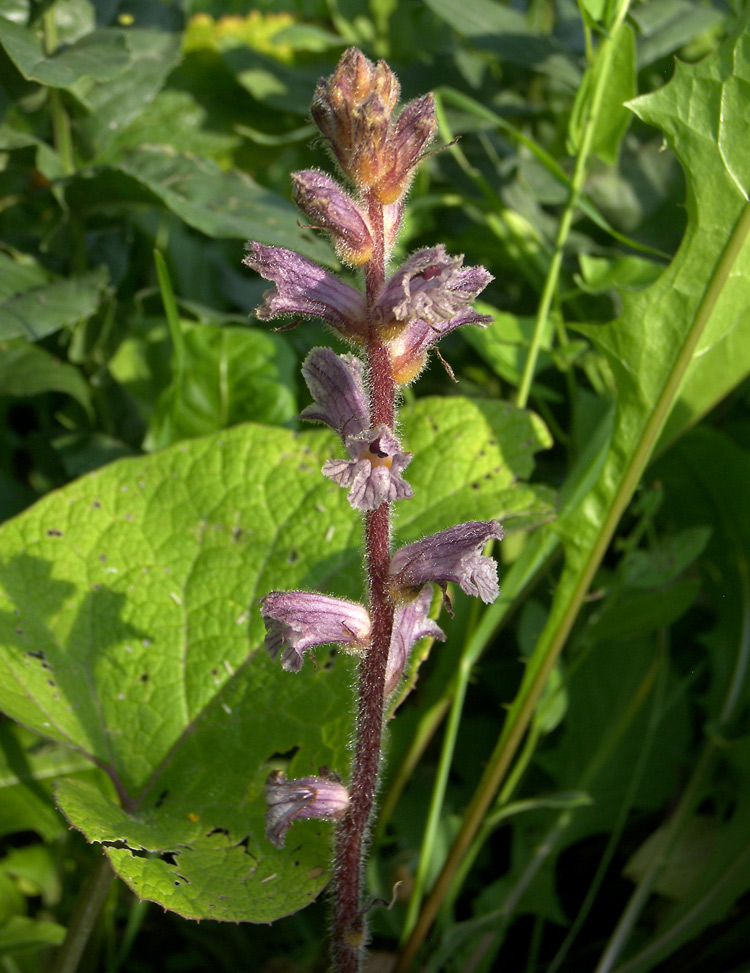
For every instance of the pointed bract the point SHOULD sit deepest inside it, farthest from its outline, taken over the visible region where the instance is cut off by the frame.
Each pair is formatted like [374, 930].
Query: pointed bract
[297, 620]
[415, 129]
[337, 387]
[305, 797]
[373, 475]
[451, 555]
[411, 622]
[302, 287]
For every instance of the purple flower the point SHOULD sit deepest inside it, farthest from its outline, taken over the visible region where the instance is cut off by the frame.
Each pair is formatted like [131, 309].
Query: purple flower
[451, 555]
[337, 387]
[432, 286]
[302, 287]
[297, 620]
[429, 296]
[305, 797]
[411, 622]
[374, 472]
[329, 207]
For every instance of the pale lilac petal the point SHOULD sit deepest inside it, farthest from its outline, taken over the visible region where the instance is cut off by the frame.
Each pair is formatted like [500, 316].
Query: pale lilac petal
[432, 287]
[306, 797]
[411, 622]
[337, 386]
[373, 475]
[297, 620]
[302, 287]
[333, 209]
[451, 555]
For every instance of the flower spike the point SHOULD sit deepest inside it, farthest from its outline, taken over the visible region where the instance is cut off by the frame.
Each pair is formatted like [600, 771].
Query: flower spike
[302, 287]
[298, 620]
[451, 555]
[306, 797]
[374, 472]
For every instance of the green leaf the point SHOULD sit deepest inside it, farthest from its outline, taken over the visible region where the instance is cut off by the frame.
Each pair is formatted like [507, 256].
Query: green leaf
[216, 202]
[613, 117]
[504, 31]
[227, 375]
[694, 303]
[666, 26]
[173, 118]
[22, 934]
[113, 105]
[128, 631]
[20, 273]
[27, 773]
[282, 86]
[40, 311]
[101, 55]
[598, 274]
[35, 871]
[26, 369]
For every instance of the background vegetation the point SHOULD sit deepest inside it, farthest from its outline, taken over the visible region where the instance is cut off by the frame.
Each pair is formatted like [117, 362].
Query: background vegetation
[579, 811]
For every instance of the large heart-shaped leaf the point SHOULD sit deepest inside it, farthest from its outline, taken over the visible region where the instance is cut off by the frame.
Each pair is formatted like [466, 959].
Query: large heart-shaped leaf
[129, 631]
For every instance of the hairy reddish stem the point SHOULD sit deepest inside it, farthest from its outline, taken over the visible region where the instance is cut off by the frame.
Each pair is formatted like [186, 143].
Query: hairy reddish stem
[350, 927]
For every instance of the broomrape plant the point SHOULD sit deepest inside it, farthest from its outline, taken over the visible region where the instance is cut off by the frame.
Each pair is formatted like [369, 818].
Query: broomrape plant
[392, 325]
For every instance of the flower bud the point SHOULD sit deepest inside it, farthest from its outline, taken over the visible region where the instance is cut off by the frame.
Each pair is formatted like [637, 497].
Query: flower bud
[353, 110]
[415, 129]
[329, 207]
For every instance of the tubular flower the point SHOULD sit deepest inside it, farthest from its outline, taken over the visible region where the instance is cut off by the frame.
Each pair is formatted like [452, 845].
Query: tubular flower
[410, 623]
[329, 207]
[297, 620]
[374, 472]
[451, 555]
[337, 387]
[428, 297]
[432, 286]
[302, 287]
[305, 797]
